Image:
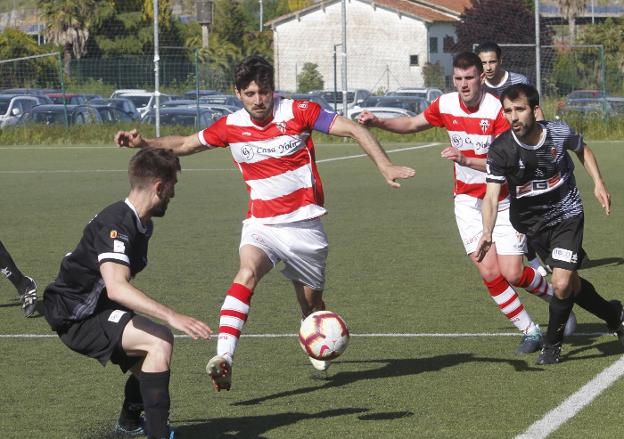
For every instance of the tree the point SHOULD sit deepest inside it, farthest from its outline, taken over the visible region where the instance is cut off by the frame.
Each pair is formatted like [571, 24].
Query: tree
[38, 72]
[67, 25]
[434, 75]
[610, 35]
[571, 9]
[309, 78]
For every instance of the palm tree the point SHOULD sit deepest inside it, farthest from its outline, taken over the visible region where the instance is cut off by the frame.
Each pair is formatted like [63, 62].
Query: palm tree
[571, 9]
[67, 24]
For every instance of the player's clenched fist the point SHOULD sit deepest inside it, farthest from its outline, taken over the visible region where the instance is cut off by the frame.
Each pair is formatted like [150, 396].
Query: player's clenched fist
[368, 119]
[129, 139]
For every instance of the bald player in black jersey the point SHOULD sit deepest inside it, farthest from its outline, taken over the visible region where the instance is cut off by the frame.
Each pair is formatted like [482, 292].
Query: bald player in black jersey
[92, 304]
[532, 157]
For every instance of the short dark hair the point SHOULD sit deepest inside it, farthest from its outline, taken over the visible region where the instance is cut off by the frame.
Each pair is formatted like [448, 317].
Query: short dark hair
[465, 60]
[150, 164]
[489, 46]
[254, 68]
[513, 92]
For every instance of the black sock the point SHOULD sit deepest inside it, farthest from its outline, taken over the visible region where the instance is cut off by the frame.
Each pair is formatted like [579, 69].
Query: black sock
[558, 313]
[133, 404]
[156, 402]
[591, 301]
[10, 270]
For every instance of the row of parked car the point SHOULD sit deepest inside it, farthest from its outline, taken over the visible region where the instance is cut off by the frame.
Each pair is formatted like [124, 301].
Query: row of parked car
[590, 103]
[21, 106]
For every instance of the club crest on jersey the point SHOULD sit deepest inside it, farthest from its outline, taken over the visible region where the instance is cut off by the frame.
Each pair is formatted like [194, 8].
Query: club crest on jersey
[484, 124]
[553, 153]
[281, 126]
[303, 105]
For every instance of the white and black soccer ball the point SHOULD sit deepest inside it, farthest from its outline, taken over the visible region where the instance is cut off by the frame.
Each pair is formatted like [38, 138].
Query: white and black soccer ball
[324, 335]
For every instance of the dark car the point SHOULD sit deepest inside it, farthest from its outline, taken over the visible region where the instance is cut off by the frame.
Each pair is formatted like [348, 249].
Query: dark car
[221, 99]
[112, 114]
[55, 114]
[183, 116]
[69, 98]
[192, 94]
[122, 104]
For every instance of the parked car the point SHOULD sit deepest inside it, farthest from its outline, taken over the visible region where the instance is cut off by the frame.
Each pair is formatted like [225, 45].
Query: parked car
[110, 114]
[12, 107]
[183, 116]
[308, 97]
[383, 112]
[143, 100]
[412, 103]
[122, 104]
[354, 97]
[192, 94]
[55, 114]
[69, 98]
[221, 99]
[590, 103]
[429, 94]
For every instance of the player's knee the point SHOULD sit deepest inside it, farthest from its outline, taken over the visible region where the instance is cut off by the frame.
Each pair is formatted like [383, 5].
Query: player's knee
[562, 287]
[161, 341]
[513, 276]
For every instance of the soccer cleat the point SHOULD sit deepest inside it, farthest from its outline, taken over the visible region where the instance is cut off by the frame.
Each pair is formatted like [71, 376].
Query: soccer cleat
[28, 297]
[531, 342]
[320, 364]
[549, 354]
[131, 428]
[618, 331]
[220, 372]
[570, 326]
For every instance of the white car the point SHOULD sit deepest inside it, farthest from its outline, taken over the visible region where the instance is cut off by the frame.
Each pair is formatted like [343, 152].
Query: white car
[428, 93]
[354, 97]
[143, 100]
[12, 107]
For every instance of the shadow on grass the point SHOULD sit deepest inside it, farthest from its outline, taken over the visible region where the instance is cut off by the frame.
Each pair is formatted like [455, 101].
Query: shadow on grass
[392, 368]
[601, 262]
[252, 426]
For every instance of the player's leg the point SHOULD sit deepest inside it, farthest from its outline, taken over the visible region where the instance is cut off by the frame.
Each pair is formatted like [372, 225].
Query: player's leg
[530, 279]
[254, 264]
[470, 226]
[25, 286]
[310, 300]
[154, 342]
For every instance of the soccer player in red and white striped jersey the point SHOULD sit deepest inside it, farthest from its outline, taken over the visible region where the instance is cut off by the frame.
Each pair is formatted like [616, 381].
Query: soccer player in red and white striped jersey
[473, 119]
[270, 140]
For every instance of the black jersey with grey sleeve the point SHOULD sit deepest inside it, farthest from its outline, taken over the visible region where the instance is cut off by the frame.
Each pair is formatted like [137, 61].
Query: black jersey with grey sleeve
[115, 235]
[542, 187]
[510, 78]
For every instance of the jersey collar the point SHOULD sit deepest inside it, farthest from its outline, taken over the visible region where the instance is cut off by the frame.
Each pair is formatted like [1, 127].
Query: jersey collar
[501, 82]
[139, 224]
[537, 146]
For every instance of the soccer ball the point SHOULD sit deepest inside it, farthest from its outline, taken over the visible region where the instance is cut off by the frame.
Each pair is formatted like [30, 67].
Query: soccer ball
[324, 335]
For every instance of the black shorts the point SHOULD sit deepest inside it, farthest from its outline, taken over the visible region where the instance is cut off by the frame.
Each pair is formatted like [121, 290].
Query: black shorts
[561, 246]
[99, 337]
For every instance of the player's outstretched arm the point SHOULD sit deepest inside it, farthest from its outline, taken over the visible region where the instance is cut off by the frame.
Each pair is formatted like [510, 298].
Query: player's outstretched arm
[489, 211]
[119, 289]
[346, 128]
[401, 125]
[180, 145]
[587, 157]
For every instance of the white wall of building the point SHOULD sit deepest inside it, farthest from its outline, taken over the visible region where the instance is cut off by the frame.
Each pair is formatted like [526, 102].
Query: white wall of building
[379, 45]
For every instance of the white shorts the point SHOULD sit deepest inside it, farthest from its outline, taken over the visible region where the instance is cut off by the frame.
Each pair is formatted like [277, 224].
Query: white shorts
[302, 246]
[470, 224]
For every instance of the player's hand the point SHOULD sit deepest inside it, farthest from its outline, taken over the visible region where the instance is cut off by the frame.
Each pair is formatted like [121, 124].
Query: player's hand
[190, 326]
[454, 155]
[129, 139]
[367, 119]
[483, 247]
[392, 173]
[604, 197]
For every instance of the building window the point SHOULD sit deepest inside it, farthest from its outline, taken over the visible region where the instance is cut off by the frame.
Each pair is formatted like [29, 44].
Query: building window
[447, 44]
[413, 60]
[433, 45]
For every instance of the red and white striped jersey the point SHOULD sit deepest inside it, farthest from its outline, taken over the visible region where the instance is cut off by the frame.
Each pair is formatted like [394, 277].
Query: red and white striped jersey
[472, 131]
[277, 160]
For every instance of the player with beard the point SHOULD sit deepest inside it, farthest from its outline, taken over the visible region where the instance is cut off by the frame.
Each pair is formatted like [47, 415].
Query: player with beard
[532, 159]
[271, 143]
[93, 307]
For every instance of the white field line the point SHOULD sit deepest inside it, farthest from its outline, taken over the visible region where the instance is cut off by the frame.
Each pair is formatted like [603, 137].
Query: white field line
[372, 335]
[575, 402]
[92, 171]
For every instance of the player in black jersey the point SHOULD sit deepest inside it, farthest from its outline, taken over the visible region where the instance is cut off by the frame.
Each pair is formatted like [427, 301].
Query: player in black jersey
[25, 285]
[92, 304]
[532, 157]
